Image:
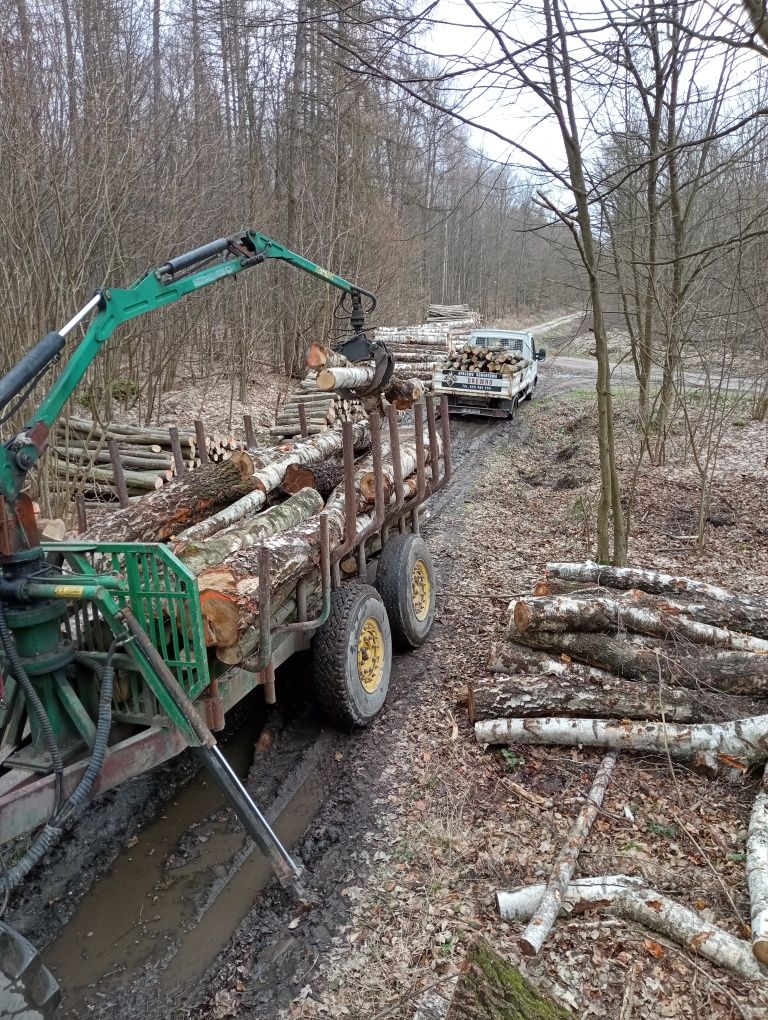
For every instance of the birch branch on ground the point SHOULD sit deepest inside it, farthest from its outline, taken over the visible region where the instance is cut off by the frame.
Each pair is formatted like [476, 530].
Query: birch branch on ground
[605, 614]
[658, 913]
[548, 907]
[742, 739]
[757, 871]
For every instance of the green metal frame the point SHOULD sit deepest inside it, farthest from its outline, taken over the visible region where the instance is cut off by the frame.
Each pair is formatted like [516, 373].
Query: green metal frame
[153, 291]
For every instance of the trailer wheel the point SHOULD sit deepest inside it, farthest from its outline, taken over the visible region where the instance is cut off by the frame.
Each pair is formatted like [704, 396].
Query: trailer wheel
[353, 656]
[28, 990]
[405, 578]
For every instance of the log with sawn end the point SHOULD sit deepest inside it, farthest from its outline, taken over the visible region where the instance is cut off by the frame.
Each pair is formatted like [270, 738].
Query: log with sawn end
[190, 498]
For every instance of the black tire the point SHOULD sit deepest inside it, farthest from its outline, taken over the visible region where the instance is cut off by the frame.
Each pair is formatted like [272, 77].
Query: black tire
[345, 694]
[395, 577]
[532, 387]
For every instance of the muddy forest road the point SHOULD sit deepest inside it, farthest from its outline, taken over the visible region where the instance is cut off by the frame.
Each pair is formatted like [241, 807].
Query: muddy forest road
[156, 904]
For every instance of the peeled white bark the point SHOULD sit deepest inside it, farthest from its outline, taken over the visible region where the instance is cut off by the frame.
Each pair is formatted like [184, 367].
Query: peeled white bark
[757, 873]
[548, 907]
[656, 912]
[744, 739]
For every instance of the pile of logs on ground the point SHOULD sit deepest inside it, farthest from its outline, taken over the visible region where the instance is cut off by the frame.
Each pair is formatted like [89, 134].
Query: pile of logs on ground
[471, 358]
[439, 313]
[87, 454]
[626, 659]
[218, 518]
[321, 410]
[418, 350]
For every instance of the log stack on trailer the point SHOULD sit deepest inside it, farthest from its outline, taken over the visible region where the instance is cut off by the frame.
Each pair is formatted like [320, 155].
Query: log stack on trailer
[472, 358]
[419, 349]
[629, 659]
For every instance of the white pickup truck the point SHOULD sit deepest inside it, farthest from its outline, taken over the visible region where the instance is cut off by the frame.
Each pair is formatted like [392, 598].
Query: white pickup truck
[492, 394]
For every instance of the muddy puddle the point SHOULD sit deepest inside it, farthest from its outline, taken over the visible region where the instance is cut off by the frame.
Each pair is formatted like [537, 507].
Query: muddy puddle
[174, 897]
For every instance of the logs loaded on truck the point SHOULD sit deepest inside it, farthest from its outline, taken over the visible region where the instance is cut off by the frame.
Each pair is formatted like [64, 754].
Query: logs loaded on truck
[631, 660]
[127, 645]
[490, 374]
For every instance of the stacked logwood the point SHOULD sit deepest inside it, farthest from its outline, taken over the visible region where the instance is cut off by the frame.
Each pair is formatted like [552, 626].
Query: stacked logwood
[219, 518]
[85, 452]
[439, 313]
[632, 659]
[321, 409]
[496, 358]
[419, 350]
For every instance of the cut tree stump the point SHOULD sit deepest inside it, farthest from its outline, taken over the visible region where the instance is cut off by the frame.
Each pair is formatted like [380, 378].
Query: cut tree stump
[491, 988]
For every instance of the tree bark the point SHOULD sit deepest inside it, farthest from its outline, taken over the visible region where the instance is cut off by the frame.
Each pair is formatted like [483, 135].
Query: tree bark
[310, 451]
[757, 872]
[491, 988]
[404, 393]
[345, 378]
[323, 477]
[526, 696]
[647, 907]
[604, 614]
[635, 657]
[547, 909]
[294, 511]
[744, 739]
[184, 501]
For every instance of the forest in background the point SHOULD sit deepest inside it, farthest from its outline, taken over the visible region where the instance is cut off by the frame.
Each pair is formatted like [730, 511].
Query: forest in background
[132, 130]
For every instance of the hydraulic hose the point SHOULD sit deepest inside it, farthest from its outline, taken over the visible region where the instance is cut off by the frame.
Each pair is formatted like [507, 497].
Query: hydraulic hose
[20, 675]
[54, 828]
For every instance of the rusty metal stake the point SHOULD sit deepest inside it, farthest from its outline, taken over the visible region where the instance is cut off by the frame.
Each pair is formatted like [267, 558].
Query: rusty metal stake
[250, 436]
[202, 442]
[117, 471]
[303, 420]
[178, 456]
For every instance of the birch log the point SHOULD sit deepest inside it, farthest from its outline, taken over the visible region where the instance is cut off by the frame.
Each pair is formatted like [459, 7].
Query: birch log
[604, 614]
[647, 580]
[634, 656]
[757, 871]
[351, 377]
[656, 912]
[319, 356]
[744, 739]
[294, 511]
[548, 907]
[311, 451]
[184, 501]
[574, 694]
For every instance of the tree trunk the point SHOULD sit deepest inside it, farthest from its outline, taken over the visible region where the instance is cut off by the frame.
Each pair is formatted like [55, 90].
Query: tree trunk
[757, 872]
[404, 393]
[609, 615]
[651, 909]
[310, 451]
[547, 909]
[526, 696]
[635, 657]
[323, 477]
[744, 739]
[349, 378]
[282, 517]
[491, 988]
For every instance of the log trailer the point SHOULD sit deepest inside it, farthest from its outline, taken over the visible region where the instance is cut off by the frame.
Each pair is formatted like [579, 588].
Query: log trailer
[490, 385]
[104, 670]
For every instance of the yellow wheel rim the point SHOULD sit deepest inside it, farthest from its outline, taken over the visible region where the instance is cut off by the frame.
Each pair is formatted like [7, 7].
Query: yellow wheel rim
[370, 655]
[421, 590]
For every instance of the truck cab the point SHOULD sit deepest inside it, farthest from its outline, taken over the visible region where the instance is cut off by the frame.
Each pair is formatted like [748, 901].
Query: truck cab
[492, 393]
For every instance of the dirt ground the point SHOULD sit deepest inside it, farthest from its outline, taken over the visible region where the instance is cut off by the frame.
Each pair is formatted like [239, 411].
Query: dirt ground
[408, 851]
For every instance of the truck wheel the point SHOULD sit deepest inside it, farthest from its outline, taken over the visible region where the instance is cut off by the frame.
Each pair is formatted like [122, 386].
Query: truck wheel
[406, 581]
[353, 656]
[531, 388]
